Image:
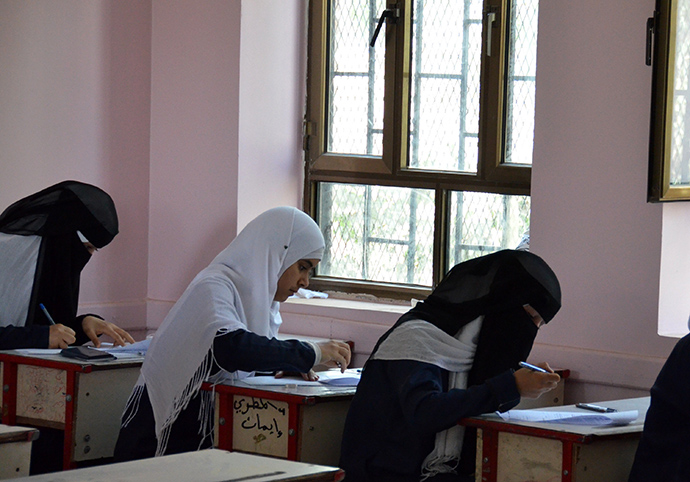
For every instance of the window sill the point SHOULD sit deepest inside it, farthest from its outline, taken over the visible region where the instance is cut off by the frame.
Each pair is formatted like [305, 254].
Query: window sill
[377, 312]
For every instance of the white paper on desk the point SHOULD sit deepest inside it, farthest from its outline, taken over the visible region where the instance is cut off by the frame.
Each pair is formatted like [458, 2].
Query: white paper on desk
[270, 380]
[327, 377]
[138, 348]
[574, 418]
[334, 378]
[38, 351]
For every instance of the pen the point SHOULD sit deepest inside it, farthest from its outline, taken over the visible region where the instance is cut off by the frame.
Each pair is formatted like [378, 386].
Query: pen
[45, 311]
[534, 368]
[595, 408]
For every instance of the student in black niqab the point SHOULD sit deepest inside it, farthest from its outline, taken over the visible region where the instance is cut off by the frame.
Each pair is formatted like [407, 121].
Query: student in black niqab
[454, 355]
[46, 240]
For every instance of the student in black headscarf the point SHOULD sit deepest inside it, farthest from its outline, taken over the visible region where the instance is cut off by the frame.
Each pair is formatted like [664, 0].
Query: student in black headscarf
[454, 355]
[46, 239]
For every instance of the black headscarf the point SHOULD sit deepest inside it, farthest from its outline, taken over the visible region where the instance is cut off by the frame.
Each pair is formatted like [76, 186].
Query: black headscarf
[56, 214]
[496, 286]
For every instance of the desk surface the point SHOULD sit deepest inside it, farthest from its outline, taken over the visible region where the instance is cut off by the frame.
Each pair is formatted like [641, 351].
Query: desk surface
[52, 359]
[315, 389]
[15, 433]
[585, 431]
[203, 466]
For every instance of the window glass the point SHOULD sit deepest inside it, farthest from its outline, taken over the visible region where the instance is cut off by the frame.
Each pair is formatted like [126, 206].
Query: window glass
[481, 223]
[522, 67]
[355, 79]
[377, 233]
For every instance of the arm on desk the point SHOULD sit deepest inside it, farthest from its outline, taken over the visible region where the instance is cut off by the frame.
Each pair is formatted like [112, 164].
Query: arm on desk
[15, 337]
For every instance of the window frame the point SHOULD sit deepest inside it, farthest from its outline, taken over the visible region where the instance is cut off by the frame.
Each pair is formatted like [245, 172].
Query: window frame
[662, 29]
[390, 169]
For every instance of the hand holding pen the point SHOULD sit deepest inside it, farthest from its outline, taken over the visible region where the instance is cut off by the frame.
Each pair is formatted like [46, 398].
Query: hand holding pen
[59, 336]
[532, 380]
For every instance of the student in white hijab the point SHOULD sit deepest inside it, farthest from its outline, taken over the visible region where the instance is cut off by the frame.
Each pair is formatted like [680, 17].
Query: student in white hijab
[224, 325]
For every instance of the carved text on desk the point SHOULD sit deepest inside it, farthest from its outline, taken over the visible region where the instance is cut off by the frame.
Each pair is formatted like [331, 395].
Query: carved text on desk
[259, 425]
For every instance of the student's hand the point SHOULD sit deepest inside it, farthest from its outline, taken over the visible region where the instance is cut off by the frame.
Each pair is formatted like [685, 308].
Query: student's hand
[310, 376]
[93, 327]
[60, 336]
[335, 353]
[532, 384]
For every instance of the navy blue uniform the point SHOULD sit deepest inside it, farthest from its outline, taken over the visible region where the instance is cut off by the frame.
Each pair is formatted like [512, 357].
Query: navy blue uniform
[237, 350]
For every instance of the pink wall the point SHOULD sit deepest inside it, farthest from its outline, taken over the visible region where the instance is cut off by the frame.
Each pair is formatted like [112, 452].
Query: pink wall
[194, 142]
[272, 89]
[590, 218]
[75, 104]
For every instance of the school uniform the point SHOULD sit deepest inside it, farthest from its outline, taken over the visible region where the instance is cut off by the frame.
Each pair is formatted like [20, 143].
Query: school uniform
[664, 450]
[237, 350]
[222, 327]
[452, 356]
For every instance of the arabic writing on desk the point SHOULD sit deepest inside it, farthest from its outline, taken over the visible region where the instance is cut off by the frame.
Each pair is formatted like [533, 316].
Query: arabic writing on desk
[252, 412]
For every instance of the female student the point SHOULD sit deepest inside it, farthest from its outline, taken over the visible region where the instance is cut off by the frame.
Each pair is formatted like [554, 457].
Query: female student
[452, 356]
[46, 239]
[223, 326]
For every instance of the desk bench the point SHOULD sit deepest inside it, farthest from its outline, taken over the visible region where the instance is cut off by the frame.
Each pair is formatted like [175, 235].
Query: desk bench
[510, 451]
[302, 423]
[85, 399]
[202, 466]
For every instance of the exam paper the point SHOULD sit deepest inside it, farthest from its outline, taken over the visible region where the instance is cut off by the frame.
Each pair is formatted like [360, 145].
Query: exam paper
[574, 418]
[328, 377]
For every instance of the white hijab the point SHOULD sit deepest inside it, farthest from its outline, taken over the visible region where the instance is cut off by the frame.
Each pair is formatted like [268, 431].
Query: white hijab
[234, 292]
[18, 258]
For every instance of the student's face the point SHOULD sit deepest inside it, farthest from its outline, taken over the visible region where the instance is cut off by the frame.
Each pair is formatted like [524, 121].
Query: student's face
[534, 314]
[294, 278]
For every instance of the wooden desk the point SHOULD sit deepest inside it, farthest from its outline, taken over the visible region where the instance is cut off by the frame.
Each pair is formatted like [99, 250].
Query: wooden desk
[303, 423]
[84, 399]
[203, 466]
[540, 452]
[15, 450]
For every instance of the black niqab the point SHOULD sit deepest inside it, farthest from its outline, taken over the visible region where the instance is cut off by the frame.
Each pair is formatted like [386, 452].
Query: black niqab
[56, 214]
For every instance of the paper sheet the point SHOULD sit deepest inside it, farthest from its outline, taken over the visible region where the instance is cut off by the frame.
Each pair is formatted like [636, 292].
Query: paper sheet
[328, 377]
[574, 418]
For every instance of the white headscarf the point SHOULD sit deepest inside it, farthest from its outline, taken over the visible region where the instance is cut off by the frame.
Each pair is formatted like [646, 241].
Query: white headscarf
[421, 341]
[234, 292]
[18, 258]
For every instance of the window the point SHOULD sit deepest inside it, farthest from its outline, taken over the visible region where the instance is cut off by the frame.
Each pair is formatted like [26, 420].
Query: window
[418, 145]
[669, 173]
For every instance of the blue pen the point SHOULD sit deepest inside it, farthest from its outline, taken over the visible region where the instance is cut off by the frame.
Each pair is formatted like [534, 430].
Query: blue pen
[45, 311]
[534, 368]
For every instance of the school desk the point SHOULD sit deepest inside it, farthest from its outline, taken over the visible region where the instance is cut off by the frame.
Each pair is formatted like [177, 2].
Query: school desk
[300, 423]
[211, 465]
[85, 399]
[15, 450]
[541, 452]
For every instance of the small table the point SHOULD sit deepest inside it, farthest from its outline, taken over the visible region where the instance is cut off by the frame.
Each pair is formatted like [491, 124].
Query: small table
[519, 451]
[85, 399]
[203, 466]
[15, 450]
[300, 423]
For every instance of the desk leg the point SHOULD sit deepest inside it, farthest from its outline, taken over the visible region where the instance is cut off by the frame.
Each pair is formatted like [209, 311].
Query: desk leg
[293, 431]
[9, 393]
[489, 455]
[567, 467]
[68, 443]
[225, 421]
